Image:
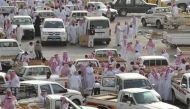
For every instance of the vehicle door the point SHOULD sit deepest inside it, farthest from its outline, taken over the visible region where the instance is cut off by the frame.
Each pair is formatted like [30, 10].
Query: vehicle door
[47, 88]
[148, 16]
[126, 102]
[140, 6]
[57, 89]
[182, 89]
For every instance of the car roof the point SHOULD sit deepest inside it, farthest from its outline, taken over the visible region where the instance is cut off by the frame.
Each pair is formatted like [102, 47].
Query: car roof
[41, 11]
[21, 17]
[135, 90]
[38, 82]
[152, 57]
[32, 66]
[2, 74]
[125, 76]
[96, 18]
[53, 19]
[8, 40]
[95, 2]
[78, 11]
[109, 49]
[86, 60]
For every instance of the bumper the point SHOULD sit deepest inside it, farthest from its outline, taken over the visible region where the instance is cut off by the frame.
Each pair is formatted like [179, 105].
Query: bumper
[102, 39]
[29, 34]
[54, 38]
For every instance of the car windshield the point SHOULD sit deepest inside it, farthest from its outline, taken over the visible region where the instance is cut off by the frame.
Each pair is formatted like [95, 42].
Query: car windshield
[53, 24]
[101, 5]
[85, 63]
[145, 97]
[22, 21]
[137, 83]
[36, 71]
[100, 24]
[105, 53]
[163, 10]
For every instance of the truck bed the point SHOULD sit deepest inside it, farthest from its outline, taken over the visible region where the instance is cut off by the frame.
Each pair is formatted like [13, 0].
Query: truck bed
[109, 99]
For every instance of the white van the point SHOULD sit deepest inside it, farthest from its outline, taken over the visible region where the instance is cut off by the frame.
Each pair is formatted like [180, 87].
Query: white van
[53, 30]
[102, 28]
[9, 49]
[78, 14]
[148, 62]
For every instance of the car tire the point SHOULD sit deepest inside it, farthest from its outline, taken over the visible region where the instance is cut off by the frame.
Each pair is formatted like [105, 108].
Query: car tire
[143, 21]
[43, 43]
[107, 42]
[77, 102]
[123, 12]
[159, 25]
[188, 104]
[174, 100]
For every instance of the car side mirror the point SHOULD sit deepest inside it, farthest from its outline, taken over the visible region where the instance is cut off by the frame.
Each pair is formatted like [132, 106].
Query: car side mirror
[183, 86]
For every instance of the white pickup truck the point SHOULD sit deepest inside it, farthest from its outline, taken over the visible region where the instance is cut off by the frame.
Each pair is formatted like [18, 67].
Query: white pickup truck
[39, 72]
[134, 98]
[176, 38]
[30, 91]
[53, 102]
[181, 89]
[126, 81]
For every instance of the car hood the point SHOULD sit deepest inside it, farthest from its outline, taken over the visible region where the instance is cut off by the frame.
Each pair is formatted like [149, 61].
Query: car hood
[53, 29]
[158, 105]
[73, 91]
[105, 10]
[41, 77]
[24, 27]
[87, 107]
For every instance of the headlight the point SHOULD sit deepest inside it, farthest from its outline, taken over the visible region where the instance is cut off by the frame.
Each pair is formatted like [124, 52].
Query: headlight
[45, 33]
[62, 33]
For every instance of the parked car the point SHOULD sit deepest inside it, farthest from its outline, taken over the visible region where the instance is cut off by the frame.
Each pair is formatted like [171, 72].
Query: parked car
[180, 89]
[53, 30]
[30, 91]
[26, 24]
[102, 8]
[131, 6]
[133, 98]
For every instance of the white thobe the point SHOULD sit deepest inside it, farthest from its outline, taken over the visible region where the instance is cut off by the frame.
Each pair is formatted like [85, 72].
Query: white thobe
[138, 47]
[24, 60]
[90, 78]
[130, 35]
[166, 55]
[2, 21]
[59, 69]
[125, 32]
[75, 82]
[73, 33]
[175, 11]
[118, 35]
[31, 52]
[19, 34]
[150, 50]
[62, 15]
[15, 82]
[154, 81]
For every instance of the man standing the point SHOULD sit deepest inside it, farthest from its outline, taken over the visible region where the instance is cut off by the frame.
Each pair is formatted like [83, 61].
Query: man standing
[138, 49]
[90, 78]
[73, 34]
[75, 82]
[9, 102]
[154, 78]
[19, 34]
[117, 32]
[150, 47]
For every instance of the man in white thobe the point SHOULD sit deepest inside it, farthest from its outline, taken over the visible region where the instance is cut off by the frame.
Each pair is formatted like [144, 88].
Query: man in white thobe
[19, 34]
[154, 78]
[62, 14]
[75, 82]
[175, 10]
[90, 78]
[118, 32]
[73, 34]
[2, 20]
[130, 35]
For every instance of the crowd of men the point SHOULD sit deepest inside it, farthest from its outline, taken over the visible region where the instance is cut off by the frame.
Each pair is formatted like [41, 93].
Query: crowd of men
[83, 79]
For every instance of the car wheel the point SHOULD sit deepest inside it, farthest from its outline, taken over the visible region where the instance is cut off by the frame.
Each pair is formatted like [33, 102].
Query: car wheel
[107, 42]
[173, 98]
[188, 104]
[144, 22]
[43, 43]
[183, 7]
[77, 102]
[123, 12]
[159, 25]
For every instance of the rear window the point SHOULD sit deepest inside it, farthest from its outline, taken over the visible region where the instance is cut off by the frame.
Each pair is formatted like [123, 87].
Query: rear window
[47, 14]
[99, 24]
[104, 53]
[79, 14]
[27, 91]
[85, 63]
[37, 71]
[155, 62]
[8, 44]
[53, 24]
